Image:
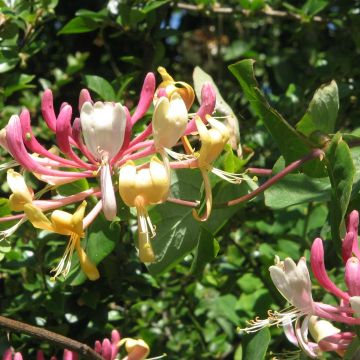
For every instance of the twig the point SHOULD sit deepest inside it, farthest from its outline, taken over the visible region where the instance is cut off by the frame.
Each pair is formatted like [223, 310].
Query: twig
[82, 349]
[259, 171]
[266, 10]
[316, 153]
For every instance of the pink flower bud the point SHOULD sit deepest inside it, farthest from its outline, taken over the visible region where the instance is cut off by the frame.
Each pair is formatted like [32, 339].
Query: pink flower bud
[352, 276]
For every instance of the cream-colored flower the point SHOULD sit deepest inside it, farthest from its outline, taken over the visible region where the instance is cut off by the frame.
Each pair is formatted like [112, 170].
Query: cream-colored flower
[140, 188]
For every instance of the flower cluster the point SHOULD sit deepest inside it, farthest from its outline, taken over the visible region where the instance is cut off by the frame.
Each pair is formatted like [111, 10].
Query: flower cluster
[108, 349]
[306, 315]
[98, 144]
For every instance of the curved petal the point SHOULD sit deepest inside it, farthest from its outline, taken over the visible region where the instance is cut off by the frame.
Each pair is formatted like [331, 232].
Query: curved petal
[146, 97]
[47, 109]
[318, 268]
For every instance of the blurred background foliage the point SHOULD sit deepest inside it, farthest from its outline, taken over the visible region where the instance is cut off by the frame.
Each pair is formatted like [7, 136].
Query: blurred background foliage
[108, 47]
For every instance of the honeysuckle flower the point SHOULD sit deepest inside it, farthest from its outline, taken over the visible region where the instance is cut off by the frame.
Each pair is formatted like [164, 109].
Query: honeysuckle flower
[169, 86]
[213, 141]
[293, 282]
[64, 223]
[8, 355]
[108, 349]
[103, 126]
[169, 121]
[140, 188]
[96, 144]
[21, 194]
[137, 349]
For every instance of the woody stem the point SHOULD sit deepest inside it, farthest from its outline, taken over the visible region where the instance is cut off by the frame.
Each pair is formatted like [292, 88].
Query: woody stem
[43, 334]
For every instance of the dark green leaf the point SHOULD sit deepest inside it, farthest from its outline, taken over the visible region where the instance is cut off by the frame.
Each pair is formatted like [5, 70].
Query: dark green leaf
[291, 144]
[257, 346]
[206, 250]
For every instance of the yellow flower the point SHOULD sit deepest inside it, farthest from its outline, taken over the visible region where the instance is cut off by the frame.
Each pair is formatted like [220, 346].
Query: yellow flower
[140, 188]
[169, 121]
[21, 193]
[213, 141]
[180, 87]
[63, 223]
[136, 349]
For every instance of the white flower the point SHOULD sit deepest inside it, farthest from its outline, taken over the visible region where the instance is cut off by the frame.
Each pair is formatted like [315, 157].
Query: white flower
[293, 282]
[103, 126]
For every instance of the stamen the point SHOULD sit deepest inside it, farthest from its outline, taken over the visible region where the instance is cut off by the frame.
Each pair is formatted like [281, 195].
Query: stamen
[277, 318]
[179, 156]
[65, 263]
[8, 232]
[8, 165]
[230, 177]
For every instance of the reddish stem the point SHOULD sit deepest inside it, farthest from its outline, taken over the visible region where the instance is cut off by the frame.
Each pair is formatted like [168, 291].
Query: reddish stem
[316, 153]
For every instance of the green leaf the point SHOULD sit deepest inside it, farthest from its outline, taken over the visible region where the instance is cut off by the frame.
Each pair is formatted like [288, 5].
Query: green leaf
[252, 4]
[152, 5]
[206, 250]
[78, 25]
[312, 7]
[341, 172]
[19, 82]
[296, 189]
[101, 86]
[224, 306]
[291, 144]
[177, 230]
[322, 111]
[257, 346]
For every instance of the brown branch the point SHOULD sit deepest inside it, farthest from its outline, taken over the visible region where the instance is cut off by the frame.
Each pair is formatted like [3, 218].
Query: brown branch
[266, 10]
[82, 349]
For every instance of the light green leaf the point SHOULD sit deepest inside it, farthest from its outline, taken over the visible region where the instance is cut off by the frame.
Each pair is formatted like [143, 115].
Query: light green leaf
[78, 25]
[101, 86]
[291, 144]
[322, 111]
[312, 7]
